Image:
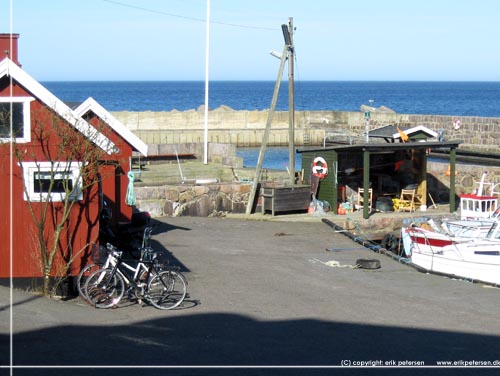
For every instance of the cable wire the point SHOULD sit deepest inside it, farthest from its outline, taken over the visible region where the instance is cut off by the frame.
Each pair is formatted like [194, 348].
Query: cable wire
[189, 18]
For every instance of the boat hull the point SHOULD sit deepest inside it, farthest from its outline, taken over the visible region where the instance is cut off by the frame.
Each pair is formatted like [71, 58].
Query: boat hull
[461, 258]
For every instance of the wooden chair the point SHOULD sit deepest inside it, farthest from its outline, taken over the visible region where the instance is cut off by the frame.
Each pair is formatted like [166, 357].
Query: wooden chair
[407, 200]
[361, 198]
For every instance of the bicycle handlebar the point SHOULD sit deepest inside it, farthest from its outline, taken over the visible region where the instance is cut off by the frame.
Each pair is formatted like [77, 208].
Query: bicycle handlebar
[113, 250]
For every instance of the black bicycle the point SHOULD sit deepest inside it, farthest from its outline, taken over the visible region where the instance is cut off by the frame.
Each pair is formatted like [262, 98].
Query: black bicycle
[164, 286]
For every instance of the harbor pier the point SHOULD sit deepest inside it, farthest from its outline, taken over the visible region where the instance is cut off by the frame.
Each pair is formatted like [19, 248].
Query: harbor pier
[246, 128]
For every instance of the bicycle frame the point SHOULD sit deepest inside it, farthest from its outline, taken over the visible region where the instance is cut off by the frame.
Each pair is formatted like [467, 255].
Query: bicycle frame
[136, 280]
[114, 257]
[121, 267]
[165, 295]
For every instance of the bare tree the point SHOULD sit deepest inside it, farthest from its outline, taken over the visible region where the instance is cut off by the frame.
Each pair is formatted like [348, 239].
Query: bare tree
[60, 169]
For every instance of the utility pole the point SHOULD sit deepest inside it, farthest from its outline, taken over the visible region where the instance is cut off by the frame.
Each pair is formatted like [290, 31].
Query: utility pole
[286, 55]
[263, 145]
[207, 61]
[288, 35]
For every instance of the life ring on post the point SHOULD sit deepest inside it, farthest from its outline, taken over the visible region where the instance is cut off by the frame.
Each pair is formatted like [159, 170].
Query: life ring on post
[457, 124]
[320, 167]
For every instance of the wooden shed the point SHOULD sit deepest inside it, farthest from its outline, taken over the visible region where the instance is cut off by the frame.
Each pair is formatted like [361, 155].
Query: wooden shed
[374, 166]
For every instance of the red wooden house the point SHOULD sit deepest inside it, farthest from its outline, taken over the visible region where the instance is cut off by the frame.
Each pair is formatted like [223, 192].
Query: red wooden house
[31, 141]
[115, 188]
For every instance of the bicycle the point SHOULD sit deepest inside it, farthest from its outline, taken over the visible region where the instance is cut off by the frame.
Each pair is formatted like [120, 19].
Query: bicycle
[100, 263]
[164, 289]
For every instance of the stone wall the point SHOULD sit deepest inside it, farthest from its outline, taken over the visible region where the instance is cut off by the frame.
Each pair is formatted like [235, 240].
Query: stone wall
[214, 199]
[193, 200]
[466, 179]
[246, 128]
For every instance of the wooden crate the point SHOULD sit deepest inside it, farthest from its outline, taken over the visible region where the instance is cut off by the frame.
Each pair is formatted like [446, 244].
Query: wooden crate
[285, 198]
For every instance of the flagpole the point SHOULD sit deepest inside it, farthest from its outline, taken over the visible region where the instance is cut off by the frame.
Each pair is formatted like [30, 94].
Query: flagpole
[207, 59]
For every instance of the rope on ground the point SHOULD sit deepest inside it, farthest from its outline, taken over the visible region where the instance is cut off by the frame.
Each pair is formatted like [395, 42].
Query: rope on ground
[368, 243]
[335, 264]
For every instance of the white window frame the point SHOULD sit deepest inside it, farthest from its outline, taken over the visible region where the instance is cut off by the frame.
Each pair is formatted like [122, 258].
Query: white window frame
[26, 117]
[71, 169]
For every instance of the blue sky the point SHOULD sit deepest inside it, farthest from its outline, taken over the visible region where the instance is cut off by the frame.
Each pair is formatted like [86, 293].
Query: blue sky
[435, 40]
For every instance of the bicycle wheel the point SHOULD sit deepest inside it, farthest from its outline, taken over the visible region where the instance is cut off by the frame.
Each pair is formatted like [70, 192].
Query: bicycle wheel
[104, 288]
[167, 290]
[82, 278]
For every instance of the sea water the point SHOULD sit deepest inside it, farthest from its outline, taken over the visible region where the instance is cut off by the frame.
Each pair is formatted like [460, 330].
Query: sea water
[410, 97]
[275, 158]
[407, 97]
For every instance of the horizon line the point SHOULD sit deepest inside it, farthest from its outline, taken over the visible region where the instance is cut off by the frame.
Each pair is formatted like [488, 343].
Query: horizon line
[264, 80]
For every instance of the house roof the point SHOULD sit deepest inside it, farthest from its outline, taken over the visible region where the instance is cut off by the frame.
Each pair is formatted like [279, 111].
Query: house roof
[391, 132]
[92, 105]
[384, 147]
[410, 132]
[9, 68]
[386, 131]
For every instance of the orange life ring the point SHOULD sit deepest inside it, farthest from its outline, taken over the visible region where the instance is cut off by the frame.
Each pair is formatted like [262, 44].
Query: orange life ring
[320, 167]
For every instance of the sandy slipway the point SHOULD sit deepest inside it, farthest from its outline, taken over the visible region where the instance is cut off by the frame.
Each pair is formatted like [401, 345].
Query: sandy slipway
[265, 293]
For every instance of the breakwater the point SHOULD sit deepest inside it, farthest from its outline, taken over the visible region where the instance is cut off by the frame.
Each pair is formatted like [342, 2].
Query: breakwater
[246, 128]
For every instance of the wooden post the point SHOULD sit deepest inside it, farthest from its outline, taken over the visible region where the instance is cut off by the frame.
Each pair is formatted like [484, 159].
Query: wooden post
[453, 154]
[420, 165]
[265, 138]
[291, 103]
[335, 196]
[366, 183]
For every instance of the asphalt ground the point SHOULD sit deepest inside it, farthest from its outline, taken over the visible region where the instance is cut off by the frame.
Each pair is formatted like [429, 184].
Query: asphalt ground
[262, 294]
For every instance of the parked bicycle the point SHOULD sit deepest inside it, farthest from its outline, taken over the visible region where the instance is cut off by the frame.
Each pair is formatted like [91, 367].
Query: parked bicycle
[105, 257]
[165, 287]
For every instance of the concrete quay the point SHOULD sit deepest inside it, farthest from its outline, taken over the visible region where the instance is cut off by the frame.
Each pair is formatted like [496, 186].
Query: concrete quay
[246, 128]
[263, 293]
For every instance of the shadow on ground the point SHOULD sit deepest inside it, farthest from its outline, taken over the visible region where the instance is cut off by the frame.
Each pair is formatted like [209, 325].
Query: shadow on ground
[229, 340]
[167, 256]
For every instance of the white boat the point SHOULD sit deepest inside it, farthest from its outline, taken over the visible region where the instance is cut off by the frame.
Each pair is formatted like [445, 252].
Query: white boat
[462, 254]
[468, 248]
[477, 205]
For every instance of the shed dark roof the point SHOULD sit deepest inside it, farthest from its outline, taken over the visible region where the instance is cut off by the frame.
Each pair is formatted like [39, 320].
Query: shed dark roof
[384, 147]
[392, 132]
[387, 131]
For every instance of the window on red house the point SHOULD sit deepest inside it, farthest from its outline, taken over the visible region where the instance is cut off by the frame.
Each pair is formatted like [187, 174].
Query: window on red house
[15, 116]
[11, 112]
[52, 180]
[61, 182]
